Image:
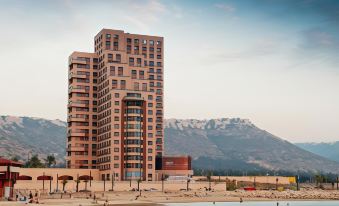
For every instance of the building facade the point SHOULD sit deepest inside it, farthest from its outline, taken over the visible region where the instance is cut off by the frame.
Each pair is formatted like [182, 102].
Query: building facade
[115, 108]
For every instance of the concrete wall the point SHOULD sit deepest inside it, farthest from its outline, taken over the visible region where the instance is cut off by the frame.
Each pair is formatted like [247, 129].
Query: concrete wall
[258, 179]
[35, 172]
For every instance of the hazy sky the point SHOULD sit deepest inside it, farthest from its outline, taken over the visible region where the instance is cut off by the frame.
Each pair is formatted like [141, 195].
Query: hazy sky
[273, 62]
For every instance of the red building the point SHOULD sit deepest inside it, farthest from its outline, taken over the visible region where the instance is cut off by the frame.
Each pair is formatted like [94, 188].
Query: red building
[9, 173]
[174, 166]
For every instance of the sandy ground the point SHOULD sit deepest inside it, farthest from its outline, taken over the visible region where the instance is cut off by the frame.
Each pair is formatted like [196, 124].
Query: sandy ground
[158, 197]
[173, 192]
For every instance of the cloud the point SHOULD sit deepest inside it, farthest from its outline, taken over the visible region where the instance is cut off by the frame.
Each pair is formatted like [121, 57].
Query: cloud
[260, 48]
[318, 47]
[225, 7]
[144, 14]
[316, 38]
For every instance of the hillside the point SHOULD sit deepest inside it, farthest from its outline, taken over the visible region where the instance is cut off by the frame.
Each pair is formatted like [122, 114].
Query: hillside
[214, 144]
[24, 136]
[328, 150]
[239, 144]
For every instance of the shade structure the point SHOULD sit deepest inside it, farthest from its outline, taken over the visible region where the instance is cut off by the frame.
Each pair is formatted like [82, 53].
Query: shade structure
[45, 177]
[65, 177]
[85, 177]
[24, 177]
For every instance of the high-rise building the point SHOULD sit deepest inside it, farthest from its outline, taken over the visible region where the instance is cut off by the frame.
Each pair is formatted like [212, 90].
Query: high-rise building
[115, 108]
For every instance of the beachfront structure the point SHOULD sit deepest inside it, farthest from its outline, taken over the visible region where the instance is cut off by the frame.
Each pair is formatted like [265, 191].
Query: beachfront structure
[9, 173]
[115, 106]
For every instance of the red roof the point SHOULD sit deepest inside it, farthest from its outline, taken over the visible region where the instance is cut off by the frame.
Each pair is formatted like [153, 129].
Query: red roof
[6, 162]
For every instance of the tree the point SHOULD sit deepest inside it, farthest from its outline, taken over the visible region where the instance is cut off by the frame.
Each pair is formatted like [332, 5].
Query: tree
[50, 160]
[15, 159]
[34, 162]
[319, 180]
[209, 178]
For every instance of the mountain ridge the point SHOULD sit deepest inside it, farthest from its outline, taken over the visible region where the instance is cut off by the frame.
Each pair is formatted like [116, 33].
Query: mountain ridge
[223, 143]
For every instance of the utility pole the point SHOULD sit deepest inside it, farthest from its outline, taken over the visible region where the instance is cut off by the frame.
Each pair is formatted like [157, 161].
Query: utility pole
[57, 180]
[162, 182]
[113, 181]
[104, 183]
[90, 178]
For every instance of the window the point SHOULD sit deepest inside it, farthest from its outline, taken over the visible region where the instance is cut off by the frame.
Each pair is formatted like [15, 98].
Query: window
[150, 127]
[158, 42]
[120, 71]
[108, 36]
[116, 111]
[144, 86]
[150, 120]
[131, 61]
[123, 84]
[116, 95]
[116, 102]
[116, 134]
[116, 157]
[116, 149]
[134, 74]
[149, 166]
[108, 44]
[150, 97]
[116, 165]
[150, 135]
[144, 41]
[150, 150]
[151, 42]
[118, 57]
[114, 84]
[150, 104]
[129, 40]
[136, 41]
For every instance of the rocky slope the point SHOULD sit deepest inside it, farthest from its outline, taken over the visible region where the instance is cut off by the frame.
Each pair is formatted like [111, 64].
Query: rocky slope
[24, 136]
[235, 144]
[238, 144]
[329, 150]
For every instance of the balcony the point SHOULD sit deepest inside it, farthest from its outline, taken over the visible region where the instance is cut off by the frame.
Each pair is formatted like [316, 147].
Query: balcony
[77, 61]
[76, 104]
[77, 149]
[77, 119]
[76, 90]
[79, 76]
[77, 134]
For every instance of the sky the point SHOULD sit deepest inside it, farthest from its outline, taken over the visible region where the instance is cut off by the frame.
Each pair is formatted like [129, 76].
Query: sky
[274, 62]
